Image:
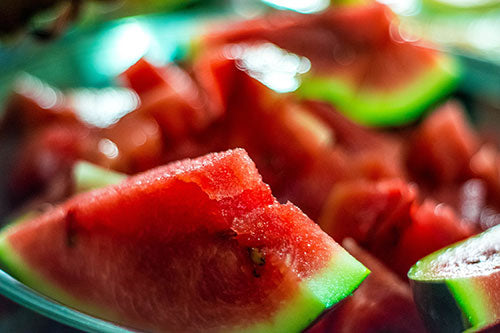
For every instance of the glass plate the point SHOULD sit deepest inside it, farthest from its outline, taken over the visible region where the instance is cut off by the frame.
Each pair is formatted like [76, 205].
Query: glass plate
[29, 298]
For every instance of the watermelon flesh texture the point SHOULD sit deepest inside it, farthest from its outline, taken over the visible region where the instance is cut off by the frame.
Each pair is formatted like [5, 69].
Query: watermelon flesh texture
[171, 97]
[242, 261]
[458, 286]
[442, 147]
[370, 73]
[461, 168]
[383, 303]
[385, 217]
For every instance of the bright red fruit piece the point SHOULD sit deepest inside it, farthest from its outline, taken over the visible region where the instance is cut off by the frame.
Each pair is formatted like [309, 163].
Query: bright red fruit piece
[197, 245]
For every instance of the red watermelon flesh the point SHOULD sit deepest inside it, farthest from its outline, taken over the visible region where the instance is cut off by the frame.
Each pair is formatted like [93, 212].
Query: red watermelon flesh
[198, 245]
[383, 303]
[485, 164]
[45, 158]
[433, 226]
[171, 96]
[215, 73]
[301, 149]
[281, 135]
[33, 104]
[386, 218]
[144, 77]
[368, 211]
[442, 146]
[138, 141]
[373, 155]
[331, 43]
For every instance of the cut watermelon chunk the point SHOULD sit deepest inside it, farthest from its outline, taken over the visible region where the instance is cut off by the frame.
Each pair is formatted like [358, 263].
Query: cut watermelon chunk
[370, 73]
[132, 145]
[369, 212]
[442, 147]
[386, 218]
[198, 245]
[458, 287]
[433, 226]
[171, 96]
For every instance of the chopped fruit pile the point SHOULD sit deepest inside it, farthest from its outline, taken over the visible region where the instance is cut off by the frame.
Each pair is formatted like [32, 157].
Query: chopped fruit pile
[298, 93]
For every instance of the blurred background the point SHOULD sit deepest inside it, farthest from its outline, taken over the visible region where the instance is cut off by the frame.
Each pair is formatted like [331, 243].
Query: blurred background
[87, 43]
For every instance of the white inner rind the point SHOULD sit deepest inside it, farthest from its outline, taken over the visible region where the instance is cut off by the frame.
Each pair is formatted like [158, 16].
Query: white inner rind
[476, 256]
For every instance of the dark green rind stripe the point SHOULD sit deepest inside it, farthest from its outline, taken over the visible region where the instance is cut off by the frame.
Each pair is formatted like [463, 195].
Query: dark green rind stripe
[437, 307]
[454, 303]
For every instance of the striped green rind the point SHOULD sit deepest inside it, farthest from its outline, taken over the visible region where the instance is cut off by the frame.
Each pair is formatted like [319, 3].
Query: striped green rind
[336, 281]
[405, 104]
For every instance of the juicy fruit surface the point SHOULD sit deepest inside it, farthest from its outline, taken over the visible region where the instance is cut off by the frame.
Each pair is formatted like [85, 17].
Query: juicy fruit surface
[196, 245]
[476, 256]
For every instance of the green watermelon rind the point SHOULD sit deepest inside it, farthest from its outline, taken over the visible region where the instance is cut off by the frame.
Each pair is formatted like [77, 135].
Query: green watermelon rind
[337, 280]
[17, 267]
[470, 298]
[440, 7]
[88, 176]
[372, 108]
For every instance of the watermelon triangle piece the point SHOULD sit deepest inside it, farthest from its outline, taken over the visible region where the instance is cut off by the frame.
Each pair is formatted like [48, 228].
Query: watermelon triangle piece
[197, 245]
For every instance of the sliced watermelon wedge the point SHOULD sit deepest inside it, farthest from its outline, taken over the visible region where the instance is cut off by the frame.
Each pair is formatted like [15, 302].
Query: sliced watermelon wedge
[372, 73]
[197, 245]
[458, 287]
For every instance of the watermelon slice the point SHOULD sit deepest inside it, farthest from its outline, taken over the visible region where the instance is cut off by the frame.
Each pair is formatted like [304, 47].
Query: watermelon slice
[458, 287]
[197, 245]
[371, 73]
